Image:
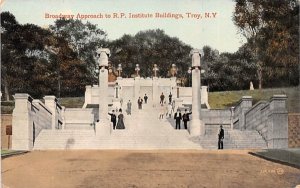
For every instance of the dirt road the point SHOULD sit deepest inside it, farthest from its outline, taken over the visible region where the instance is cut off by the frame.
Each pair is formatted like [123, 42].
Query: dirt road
[86, 168]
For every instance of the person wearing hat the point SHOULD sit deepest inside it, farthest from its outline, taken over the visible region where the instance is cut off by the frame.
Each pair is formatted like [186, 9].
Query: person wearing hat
[221, 138]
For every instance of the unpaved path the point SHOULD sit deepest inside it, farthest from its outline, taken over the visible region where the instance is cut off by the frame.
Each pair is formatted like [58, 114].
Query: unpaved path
[87, 168]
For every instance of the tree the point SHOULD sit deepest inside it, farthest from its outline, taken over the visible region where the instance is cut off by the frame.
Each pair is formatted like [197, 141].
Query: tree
[147, 48]
[248, 17]
[271, 28]
[37, 62]
[83, 38]
[23, 53]
[228, 71]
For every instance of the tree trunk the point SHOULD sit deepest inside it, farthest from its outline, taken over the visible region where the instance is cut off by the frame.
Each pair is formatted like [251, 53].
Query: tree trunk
[6, 91]
[259, 74]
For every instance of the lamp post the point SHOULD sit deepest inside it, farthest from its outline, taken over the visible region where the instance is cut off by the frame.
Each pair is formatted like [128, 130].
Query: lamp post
[137, 69]
[231, 117]
[173, 70]
[97, 74]
[189, 72]
[155, 69]
[119, 69]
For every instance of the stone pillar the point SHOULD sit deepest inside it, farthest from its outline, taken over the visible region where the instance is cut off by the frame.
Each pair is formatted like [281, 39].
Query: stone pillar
[22, 127]
[277, 124]
[196, 126]
[155, 91]
[137, 87]
[244, 105]
[87, 96]
[103, 126]
[63, 126]
[50, 102]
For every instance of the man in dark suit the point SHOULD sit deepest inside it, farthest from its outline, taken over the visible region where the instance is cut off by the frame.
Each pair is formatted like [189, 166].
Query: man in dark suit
[221, 137]
[145, 98]
[177, 117]
[186, 118]
[113, 118]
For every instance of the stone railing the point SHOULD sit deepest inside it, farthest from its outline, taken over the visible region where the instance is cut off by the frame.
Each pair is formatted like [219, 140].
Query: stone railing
[30, 117]
[270, 119]
[239, 112]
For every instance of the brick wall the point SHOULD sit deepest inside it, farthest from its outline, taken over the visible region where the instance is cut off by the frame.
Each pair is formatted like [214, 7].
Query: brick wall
[294, 130]
[6, 120]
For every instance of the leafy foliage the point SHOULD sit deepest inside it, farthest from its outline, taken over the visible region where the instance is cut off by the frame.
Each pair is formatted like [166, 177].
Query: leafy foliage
[147, 48]
[271, 28]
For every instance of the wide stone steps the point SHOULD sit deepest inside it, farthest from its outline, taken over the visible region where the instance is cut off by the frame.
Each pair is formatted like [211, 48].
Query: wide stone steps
[71, 140]
[234, 139]
[145, 131]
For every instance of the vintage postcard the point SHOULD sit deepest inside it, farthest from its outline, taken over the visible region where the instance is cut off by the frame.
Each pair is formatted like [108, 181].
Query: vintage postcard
[177, 93]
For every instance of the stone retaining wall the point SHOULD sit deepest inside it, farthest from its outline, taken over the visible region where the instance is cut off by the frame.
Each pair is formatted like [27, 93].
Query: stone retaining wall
[30, 117]
[294, 130]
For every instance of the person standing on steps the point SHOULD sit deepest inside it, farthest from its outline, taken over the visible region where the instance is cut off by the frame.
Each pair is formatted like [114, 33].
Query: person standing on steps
[113, 118]
[145, 98]
[140, 102]
[120, 124]
[173, 106]
[169, 110]
[186, 118]
[162, 98]
[129, 108]
[170, 97]
[121, 102]
[177, 117]
[220, 138]
[161, 111]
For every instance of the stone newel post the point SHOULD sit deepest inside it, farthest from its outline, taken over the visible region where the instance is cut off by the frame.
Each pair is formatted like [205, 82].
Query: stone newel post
[103, 126]
[196, 126]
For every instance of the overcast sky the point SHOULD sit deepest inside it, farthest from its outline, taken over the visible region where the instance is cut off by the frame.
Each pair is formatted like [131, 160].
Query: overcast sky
[219, 32]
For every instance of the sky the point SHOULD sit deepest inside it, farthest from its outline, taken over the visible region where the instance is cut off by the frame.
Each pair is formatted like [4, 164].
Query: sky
[217, 31]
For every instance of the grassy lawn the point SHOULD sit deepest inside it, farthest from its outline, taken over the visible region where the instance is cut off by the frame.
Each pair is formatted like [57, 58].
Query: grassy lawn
[227, 99]
[72, 102]
[5, 152]
[290, 156]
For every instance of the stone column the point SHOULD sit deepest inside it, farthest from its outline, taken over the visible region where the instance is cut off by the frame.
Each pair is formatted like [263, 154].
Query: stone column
[277, 125]
[87, 96]
[244, 105]
[155, 94]
[137, 87]
[22, 138]
[50, 102]
[196, 125]
[103, 126]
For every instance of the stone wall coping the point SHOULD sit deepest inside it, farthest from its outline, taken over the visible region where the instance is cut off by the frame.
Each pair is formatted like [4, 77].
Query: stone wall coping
[49, 97]
[256, 105]
[278, 97]
[52, 97]
[37, 101]
[23, 96]
[244, 98]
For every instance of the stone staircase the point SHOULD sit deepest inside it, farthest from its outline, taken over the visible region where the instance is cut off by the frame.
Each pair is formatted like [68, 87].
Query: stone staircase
[145, 131]
[233, 139]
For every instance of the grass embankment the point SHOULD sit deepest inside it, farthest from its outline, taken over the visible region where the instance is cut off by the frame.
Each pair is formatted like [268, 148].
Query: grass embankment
[227, 99]
[224, 99]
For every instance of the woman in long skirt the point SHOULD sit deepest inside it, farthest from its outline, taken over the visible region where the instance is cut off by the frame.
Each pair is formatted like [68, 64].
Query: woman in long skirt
[120, 124]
